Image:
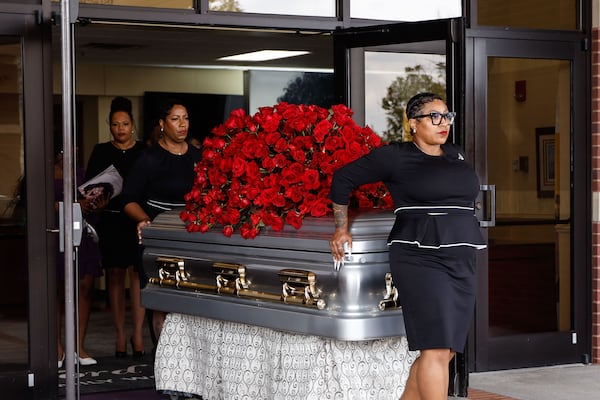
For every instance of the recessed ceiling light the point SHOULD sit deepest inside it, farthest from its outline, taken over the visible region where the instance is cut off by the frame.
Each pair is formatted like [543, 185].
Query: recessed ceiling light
[264, 55]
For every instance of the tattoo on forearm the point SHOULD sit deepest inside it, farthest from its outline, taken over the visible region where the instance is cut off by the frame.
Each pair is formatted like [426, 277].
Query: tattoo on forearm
[340, 215]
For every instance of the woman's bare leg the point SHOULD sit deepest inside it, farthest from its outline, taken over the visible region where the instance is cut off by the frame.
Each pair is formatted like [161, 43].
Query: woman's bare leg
[138, 312]
[429, 376]
[86, 287]
[116, 296]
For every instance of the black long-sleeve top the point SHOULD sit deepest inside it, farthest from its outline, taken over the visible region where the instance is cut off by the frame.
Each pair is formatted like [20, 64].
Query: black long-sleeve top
[433, 195]
[159, 180]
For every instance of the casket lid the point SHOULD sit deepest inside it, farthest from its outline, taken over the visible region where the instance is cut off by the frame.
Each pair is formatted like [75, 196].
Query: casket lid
[369, 229]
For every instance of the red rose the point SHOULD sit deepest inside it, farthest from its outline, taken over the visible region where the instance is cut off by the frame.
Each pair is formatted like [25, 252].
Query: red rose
[273, 220]
[310, 179]
[216, 178]
[295, 193]
[202, 228]
[239, 166]
[251, 192]
[321, 130]
[269, 163]
[193, 227]
[248, 232]
[228, 230]
[298, 155]
[270, 122]
[224, 164]
[252, 171]
[281, 145]
[293, 173]
[333, 143]
[293, 219]
[272, 137]
[254, 148]
[320, 208]
[281, 161]
[231, 216]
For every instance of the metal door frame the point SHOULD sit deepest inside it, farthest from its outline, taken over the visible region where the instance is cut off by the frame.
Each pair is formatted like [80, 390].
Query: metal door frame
[40, 380]
[566, 46]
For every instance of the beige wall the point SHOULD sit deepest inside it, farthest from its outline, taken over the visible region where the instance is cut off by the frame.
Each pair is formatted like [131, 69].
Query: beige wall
[96, 85]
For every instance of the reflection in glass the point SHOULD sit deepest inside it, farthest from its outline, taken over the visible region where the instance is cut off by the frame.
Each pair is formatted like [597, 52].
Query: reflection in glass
[403, 11]
[177, 4]
[391, 79]
[13, 240]
[315, 8]
[550, 14]
[529, 249]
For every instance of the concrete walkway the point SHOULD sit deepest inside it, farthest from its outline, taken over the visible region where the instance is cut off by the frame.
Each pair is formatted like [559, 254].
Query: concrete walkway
[564, 382]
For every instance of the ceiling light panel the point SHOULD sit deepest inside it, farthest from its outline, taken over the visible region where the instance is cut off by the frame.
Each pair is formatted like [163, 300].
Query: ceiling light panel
[264, 55]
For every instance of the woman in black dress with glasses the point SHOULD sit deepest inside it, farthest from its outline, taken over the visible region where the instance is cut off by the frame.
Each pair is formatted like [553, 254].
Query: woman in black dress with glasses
[433, 241]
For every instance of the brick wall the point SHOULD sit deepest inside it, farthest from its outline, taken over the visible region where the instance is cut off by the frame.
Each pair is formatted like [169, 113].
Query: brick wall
[596, 192]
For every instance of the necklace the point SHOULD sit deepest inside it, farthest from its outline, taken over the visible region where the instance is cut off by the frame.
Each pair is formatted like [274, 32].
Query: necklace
[123, 148]
[424, 152]
[165, 146]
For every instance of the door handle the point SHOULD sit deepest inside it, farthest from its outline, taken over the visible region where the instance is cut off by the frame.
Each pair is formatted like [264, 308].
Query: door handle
[77, 225]
[488, 206]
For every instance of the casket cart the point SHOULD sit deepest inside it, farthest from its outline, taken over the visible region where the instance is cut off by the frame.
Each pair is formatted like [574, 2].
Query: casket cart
[270, 317]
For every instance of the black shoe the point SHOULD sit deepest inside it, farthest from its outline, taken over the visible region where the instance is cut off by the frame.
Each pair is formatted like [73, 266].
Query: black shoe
[120, 354]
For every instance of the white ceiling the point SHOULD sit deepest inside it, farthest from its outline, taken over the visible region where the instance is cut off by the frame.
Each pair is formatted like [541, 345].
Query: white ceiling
[167, 46]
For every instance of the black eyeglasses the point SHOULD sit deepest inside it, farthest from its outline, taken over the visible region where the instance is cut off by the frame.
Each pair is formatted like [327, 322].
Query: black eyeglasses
[436, 117]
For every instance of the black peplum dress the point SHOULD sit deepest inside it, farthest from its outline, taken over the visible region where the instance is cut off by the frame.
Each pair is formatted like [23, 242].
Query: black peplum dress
[433, 240]
[117, 232]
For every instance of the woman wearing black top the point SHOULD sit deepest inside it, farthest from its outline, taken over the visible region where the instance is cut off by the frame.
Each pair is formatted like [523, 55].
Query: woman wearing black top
[162, 175]
[432, 242]
[118, 240]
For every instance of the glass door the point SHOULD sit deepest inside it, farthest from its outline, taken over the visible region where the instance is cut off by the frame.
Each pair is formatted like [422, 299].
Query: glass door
[27, 347]
[378, 69]
[14, 355]
[527, 108]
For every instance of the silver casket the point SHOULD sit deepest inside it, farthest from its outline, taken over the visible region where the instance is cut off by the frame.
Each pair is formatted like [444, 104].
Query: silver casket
[280, 280]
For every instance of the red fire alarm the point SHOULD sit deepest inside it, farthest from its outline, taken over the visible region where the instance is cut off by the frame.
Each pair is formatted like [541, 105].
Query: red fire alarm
[520, 90]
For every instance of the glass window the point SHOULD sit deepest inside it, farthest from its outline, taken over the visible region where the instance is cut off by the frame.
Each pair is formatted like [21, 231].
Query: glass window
[13, 237]
[404, 10]
[391, 79]
[528, 133]
[180, 4]
[315, 8]
[535, 14]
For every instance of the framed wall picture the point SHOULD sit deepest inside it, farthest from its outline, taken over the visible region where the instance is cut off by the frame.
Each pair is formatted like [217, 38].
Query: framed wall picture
[545, 142]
